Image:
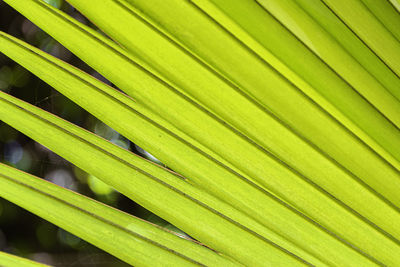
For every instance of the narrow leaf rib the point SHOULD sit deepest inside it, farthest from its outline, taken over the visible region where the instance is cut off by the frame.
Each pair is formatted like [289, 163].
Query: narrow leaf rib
[386, 14]
[357, 17]
[346, 37]
[395, 4]
[332, 53]
[128, 238]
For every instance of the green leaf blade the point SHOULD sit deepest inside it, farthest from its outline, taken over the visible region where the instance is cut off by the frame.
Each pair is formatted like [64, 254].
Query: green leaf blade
[8, 260]
[142, 186]
[129, 238]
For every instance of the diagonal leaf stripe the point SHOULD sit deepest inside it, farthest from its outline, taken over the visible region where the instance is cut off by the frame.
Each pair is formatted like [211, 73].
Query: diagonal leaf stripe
[395, 4]
[357, 16]
[129, 238]
[387, 14]
[352, 43]
[8, 260]
[345, 65]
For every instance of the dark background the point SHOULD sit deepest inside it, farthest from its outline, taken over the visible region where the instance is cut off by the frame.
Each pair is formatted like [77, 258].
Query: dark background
[22, 233]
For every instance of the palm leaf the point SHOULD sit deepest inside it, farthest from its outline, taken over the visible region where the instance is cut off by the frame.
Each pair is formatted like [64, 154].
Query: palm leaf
[343, 226]
[263, 181]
